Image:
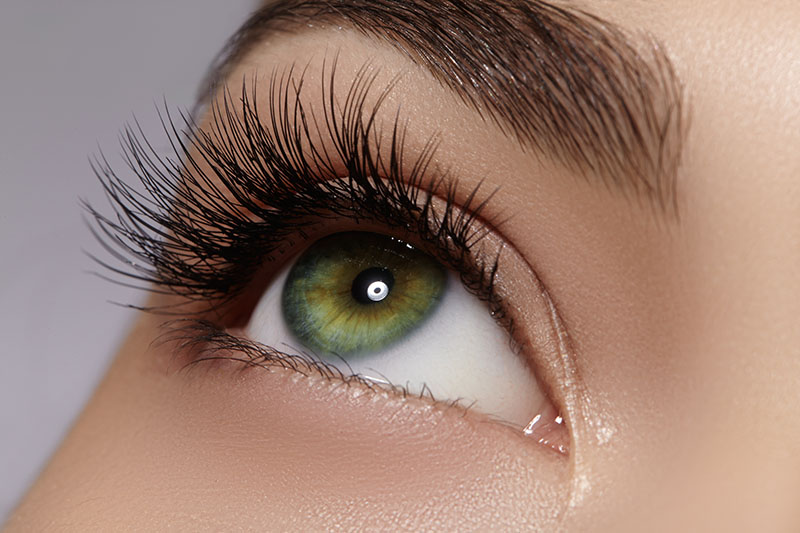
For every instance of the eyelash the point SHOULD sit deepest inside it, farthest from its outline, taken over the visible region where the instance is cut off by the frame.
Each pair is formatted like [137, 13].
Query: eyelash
[204, 234]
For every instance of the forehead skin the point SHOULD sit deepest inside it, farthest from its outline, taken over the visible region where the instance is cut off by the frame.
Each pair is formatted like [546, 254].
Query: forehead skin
[685, 332]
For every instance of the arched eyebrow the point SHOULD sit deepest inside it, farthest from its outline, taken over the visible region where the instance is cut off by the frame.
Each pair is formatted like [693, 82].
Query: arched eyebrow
[564, 82]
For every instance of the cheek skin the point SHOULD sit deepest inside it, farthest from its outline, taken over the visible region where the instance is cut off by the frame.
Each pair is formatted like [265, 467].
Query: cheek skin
[216, 446]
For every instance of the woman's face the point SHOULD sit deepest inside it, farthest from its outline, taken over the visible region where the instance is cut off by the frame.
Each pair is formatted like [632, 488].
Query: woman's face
[637, 219]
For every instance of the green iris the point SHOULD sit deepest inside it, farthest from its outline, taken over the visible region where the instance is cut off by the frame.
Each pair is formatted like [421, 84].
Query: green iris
[355, 293]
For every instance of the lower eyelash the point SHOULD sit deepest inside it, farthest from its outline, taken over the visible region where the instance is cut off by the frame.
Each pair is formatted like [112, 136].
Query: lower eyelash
[202, 341]
[199, 341]
[235, 192]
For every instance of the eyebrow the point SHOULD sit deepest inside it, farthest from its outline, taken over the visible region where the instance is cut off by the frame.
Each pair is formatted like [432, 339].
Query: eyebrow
[562, 81]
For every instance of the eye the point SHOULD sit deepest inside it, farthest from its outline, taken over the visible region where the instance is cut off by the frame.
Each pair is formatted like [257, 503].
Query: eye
[374, 306]
[360, 305]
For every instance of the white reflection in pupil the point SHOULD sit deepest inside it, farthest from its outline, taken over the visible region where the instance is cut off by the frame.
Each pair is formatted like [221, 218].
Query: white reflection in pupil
[372, 285]
[377, 291]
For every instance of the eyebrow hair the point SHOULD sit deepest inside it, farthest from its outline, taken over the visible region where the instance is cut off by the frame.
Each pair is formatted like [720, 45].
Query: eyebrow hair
[560, 80]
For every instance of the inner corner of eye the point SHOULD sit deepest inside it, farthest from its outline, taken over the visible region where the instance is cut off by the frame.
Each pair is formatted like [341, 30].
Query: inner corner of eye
[374, 306]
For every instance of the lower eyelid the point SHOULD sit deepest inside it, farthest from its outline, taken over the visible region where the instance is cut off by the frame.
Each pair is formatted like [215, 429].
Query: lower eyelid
[258, 371]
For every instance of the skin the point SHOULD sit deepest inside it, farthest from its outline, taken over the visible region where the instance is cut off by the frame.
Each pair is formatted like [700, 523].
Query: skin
[680, 390]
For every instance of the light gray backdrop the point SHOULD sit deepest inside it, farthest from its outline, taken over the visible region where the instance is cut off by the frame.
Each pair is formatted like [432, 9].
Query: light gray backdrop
[71, 74]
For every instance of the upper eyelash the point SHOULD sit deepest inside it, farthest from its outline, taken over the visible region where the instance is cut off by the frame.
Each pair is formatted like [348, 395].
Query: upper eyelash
[203, 233]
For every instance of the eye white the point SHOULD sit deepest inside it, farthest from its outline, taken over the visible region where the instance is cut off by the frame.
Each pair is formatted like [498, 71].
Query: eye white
[459, 354]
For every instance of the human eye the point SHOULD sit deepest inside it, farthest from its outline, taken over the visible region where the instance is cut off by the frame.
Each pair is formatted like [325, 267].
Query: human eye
[375, 307]
[303, 242]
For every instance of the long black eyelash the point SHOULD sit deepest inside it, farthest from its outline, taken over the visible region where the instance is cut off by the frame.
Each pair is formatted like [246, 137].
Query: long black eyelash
[232, 194]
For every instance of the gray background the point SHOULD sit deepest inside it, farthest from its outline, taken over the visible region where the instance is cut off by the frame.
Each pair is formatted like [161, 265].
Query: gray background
[71, 74]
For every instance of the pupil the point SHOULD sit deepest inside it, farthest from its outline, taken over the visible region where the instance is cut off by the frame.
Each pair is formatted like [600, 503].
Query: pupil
[372, 285]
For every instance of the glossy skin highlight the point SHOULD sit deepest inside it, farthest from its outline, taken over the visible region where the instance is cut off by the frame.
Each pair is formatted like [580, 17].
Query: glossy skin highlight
[683, 406]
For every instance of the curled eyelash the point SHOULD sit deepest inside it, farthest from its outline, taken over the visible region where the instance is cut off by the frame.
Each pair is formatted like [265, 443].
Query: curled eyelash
[231, 194]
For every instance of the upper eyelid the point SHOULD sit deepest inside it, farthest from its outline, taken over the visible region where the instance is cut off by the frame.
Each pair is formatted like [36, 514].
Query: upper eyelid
[176, 237]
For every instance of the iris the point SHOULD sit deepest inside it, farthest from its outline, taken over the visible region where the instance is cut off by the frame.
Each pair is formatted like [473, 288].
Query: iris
[356, 293]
